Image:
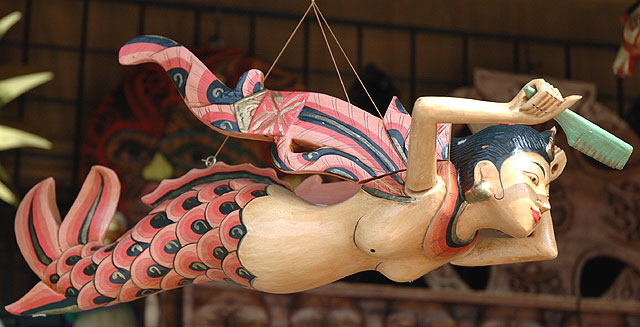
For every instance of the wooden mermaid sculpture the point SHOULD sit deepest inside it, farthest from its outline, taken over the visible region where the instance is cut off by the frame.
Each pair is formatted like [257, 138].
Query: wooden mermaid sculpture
[419, 203]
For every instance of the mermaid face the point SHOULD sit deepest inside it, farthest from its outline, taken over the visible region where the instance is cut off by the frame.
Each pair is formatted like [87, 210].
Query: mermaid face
[525, 179]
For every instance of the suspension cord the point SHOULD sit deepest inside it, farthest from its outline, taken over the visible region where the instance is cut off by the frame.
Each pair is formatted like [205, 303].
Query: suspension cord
[355, 72]
[286, 44]
[322, 21]
[333, 58]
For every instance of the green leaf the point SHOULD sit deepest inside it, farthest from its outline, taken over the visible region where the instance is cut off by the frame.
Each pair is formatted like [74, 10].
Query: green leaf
[7, 196]
[8, 21]
[4, 175]
[11, 138]
[12, 88]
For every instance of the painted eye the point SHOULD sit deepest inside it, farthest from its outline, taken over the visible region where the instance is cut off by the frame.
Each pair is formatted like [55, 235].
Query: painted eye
[533, 177]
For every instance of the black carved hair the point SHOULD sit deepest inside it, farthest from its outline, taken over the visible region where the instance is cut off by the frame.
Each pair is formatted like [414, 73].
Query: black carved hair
[633, 7]
[496, 144]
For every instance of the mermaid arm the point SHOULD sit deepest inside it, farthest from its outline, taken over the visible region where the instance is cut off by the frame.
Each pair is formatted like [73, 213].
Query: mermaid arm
[540, 245]
[428, 111]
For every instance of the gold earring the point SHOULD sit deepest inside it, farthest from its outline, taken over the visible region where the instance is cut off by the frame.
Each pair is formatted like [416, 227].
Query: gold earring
[480, 191]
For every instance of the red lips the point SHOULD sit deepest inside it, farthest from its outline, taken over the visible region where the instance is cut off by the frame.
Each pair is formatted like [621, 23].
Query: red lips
[536, 215]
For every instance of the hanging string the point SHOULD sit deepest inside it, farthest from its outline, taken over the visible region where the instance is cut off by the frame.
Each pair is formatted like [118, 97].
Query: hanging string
[317, 10]
[215, 156]
[286, 44]
[321, 19]
[221, 145]
[212, 159]
[344, 88]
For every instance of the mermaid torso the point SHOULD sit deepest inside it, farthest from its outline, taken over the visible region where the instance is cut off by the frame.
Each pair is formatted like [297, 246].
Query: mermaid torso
[238, 224]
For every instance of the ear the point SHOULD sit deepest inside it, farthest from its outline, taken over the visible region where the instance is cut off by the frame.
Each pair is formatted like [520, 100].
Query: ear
[485, 170]
[558, 163]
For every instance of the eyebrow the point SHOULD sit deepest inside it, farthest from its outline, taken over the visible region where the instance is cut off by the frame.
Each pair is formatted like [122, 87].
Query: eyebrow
[541, 168]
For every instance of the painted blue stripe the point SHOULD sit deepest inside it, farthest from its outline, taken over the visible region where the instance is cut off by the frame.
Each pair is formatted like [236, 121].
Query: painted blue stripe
[69, 304]
[323, 120]
[277, 161]
[399, 143]
[179, 76]
[401, 107]
[317, 154]
[159, 40]
[342, 172]
[83, 233]
[218, 93]
[227, 125]
[37, 247]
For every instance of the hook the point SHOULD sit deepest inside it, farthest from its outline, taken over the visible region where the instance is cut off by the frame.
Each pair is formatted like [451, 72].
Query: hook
[209, 161]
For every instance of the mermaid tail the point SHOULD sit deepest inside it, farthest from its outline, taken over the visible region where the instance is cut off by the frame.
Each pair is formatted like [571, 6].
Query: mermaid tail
[53, 249]
[312, 132]
[190, 236]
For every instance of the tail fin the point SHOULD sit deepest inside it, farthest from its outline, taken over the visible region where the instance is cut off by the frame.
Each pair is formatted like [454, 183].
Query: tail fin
[42, 300]
[36, 226]
[199, 87]
[42, 239]
[89, 217]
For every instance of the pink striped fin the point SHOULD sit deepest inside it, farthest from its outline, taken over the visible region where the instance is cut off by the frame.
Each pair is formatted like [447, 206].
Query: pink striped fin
[89, 217]
[313, 133]
[36, 226]
[202, 91]
[40, 299]
[397, 121]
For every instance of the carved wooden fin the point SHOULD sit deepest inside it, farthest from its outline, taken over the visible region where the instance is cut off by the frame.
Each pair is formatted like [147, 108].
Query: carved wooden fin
[42, 300]
[92, 211]
[36, 226]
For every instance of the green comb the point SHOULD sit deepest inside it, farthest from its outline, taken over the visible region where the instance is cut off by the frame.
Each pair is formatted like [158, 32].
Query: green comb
[590, 138]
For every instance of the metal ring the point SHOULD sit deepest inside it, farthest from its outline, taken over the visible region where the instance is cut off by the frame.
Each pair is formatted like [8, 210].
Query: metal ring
[209, 161]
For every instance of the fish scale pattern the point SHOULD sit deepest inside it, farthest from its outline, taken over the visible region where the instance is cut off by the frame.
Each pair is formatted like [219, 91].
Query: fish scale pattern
[192, 235]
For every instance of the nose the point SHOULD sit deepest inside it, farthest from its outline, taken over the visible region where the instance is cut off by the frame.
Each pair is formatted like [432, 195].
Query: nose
[544, 205]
